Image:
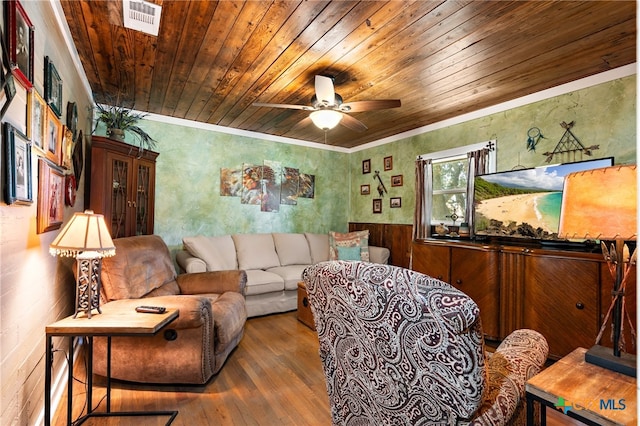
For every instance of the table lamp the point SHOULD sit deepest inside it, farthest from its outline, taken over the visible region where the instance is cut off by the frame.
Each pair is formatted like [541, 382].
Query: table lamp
[601, 204]
[86, 238]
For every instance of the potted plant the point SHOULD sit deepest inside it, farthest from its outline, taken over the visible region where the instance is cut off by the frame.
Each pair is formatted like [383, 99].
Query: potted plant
[118, 120]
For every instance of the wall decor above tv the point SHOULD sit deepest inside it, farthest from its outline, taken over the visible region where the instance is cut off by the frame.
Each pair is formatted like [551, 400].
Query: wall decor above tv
[524, 203]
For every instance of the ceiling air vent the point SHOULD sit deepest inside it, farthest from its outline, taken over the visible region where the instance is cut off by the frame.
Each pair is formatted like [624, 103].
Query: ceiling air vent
[141, 16]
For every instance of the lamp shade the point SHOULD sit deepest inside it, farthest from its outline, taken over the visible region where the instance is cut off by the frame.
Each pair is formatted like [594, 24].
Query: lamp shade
[326, 119]
[600, 204]
[85, 232]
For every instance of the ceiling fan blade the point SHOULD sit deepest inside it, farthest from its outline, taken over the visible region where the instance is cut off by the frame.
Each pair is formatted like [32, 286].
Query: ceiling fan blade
[352, 123]
[325, 93]
[358, 106]
[287, 106]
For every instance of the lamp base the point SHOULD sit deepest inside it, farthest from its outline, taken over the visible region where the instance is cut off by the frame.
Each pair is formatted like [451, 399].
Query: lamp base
[603, 357]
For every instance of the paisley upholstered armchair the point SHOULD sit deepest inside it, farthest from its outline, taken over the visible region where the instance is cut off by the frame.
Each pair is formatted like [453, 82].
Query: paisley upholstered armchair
[402, 348]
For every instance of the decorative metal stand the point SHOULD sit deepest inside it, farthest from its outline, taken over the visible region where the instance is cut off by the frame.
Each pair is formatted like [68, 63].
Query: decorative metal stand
[569, 144]
[88, 290]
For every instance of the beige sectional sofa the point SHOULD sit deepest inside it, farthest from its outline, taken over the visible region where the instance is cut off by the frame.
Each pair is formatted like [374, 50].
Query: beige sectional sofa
[273, 262]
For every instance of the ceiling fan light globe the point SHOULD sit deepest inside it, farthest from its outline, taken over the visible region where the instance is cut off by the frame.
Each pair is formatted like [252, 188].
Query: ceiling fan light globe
[326, 119]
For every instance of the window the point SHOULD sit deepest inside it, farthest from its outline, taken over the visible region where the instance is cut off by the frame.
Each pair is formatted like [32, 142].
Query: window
[450, 191]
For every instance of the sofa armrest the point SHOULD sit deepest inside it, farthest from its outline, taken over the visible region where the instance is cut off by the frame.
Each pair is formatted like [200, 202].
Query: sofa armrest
[212, 282]
[188, 263]
[379, 254]
[194, 310]
[520, 356]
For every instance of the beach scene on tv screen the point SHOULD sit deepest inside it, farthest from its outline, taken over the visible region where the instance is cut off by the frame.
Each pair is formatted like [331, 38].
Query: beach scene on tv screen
[524, 203]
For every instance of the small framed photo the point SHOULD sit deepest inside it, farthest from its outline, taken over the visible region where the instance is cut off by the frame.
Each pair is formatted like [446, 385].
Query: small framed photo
[396, 180]
[366, 166]
[18, 176]
[377, 205]
[365, 189]
[52, 87]
[36, 119]
[388, 163]
[51, 184]
[67, 147]
[395, 202]
[53, 138]
[19, 42]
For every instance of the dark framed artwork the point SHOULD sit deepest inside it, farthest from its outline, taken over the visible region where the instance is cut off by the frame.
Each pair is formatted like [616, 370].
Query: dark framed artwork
[377, 205]
[395, 202]
[365, 189]
[396, 180]
[366, 166]
[388, 163]
[18, 176]
[52, 87]
[19, 30]
[77, 158]
[51, 184]
[53, 138]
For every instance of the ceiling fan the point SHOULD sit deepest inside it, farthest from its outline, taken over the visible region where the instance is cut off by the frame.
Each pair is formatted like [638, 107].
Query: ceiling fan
[328, 109]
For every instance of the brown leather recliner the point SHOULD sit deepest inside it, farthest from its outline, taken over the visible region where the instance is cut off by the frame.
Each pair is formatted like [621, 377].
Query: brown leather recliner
[193, 347]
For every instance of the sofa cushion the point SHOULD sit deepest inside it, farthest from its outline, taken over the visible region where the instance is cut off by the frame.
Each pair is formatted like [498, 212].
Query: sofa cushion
[259, 281]
[350, 239]
[219, 253]
[255, 251]
[292, 249]
[318, 246]
[291, 275]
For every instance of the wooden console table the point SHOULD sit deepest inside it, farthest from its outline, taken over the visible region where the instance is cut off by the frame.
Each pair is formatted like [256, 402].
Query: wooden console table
[584, 391]
[116, 319]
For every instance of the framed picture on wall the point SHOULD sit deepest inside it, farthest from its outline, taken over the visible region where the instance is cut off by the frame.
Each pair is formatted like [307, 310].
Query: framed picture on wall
[19, 32]
[395, 202]
[17, 167]
[388, 163]
[366, 166]
[36, 119]
[52, 87]
[396, 180]
[365, 189]
[53, 138]
[377, 205]
[50, 196]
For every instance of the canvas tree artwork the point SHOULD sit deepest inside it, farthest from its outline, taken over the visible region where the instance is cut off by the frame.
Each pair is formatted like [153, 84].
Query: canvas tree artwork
[268, 185]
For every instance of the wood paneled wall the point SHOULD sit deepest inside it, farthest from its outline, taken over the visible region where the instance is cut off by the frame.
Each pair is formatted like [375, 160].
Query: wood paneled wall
[395, 237]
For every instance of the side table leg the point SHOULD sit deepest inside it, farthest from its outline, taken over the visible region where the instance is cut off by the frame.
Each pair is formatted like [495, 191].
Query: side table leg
[108, 374]
[47, 383]
[89, 374]
[70, 382]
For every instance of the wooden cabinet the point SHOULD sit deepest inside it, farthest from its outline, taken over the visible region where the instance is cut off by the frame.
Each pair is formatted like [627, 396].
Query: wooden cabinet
[122, 186]
[472, 269]
[562, 294]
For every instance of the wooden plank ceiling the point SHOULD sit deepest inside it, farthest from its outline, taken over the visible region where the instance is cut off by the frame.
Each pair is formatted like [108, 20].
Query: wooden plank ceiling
[212, 60]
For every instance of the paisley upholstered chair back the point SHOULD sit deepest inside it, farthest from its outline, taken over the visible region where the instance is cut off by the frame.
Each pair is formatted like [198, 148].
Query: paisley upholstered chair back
[397, 347]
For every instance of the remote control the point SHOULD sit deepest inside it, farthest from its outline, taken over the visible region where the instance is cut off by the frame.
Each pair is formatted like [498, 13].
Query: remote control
[151, 309]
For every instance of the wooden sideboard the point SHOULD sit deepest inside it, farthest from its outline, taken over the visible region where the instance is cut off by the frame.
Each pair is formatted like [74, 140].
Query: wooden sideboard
[562, 294]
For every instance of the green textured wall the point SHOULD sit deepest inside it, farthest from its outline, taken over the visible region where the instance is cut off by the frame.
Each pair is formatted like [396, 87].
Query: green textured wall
[188, 200]
[604, 115]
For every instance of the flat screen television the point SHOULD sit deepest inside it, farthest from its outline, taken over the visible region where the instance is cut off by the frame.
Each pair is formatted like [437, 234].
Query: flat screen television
[524, 203]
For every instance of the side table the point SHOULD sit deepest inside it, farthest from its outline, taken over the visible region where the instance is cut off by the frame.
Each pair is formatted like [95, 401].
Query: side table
[305, 315]
[116, 319]
[591, 394]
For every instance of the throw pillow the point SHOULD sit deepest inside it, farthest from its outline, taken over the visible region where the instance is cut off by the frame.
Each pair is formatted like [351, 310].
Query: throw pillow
[349, 253]
[351, 239]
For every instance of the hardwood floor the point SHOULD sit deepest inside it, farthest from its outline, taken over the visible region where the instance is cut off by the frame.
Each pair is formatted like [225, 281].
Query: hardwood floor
[274, 377]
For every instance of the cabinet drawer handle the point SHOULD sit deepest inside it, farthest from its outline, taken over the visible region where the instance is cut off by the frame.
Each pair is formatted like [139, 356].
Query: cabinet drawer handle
[129, 203]
[305, 302]
[458, 281]
[580, 305]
